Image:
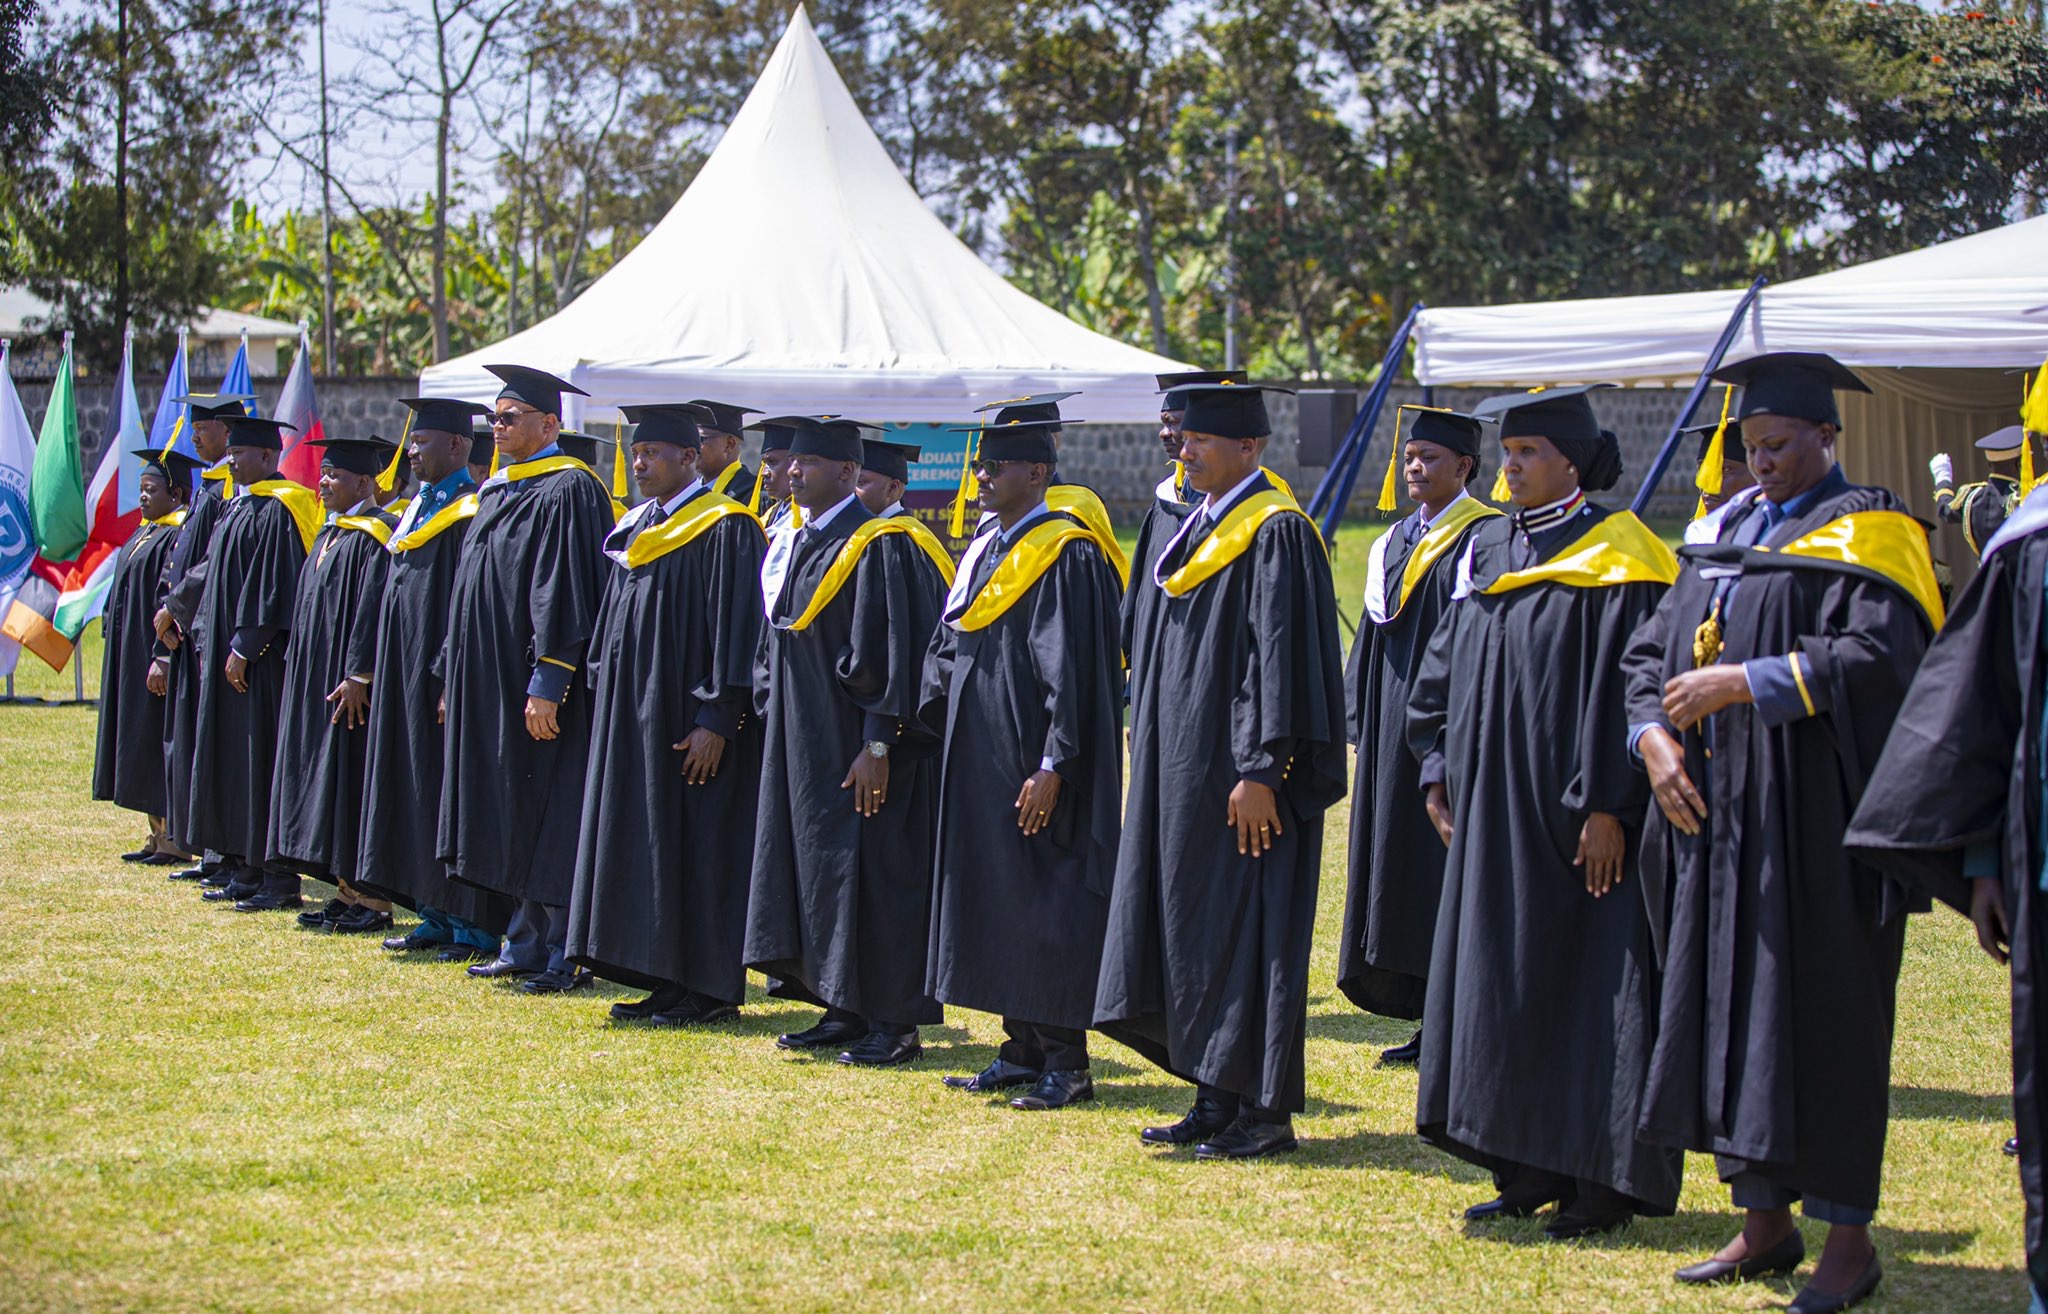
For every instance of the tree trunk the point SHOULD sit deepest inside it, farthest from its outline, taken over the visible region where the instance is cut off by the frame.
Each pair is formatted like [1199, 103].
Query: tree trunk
[121, 175]
[1148, 266]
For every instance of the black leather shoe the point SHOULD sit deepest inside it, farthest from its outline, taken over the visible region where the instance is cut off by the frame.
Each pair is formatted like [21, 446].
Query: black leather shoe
[359, 921]
[464, 953]
[230, 893]
[316, 919]
[165, 860]
[559, 983]
[1582, 1219]
[1508, 1205]
[1207, 1118]
[1056, 1090]
[1810, 1301]
[143, 854]
[189, 874]
[498, 967]
[659, 1001]
[881, 1049]
[412, 942]
[1246, 1139]
[999, 1075]
[1780, 1258]
[831, 1031]
[2012, 1148]
[1408, 1053]
[694, 1010]
[215, 879]
[262, 902]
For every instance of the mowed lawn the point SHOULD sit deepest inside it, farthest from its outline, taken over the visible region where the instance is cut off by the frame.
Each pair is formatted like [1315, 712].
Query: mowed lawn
[207, 1111]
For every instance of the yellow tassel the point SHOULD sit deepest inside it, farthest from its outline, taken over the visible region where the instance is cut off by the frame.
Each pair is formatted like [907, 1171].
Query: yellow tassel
[177, 427]
[497, 454]
[754, 498]
[1708, 480]
[969, 487]
[619, 459]
[1180, 477]
[796, 515]
[389, 479]
[1500, 492]
[2033, 417]
[1700, 508]
[1387, 501]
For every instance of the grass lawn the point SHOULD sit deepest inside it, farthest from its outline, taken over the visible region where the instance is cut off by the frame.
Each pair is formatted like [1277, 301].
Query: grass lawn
[206, 1111]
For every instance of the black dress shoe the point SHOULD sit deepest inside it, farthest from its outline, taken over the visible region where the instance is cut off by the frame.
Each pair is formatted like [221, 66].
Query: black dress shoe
[1506, 1205]
[695, 1010]
[1056, 1090]
[559, 983]
[1207, 1118]
[498, 967]
[462, 953]
[230, 893]
[143, 854]
[215, 879]
[412, 941]
[1810, 1301]
[189, 874]
[999, 1075]
[1408, 1053]
[882, 1049]
[316, 919]
[1246, 1139]
[1780, 1258]
[1583, 1218]
[360, 921]
[831, 1031]
[264, 902]
[2012, 1147]
[161, 859]
[659, 1001]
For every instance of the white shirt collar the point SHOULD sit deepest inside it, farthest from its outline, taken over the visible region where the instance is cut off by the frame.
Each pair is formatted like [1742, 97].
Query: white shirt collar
[1009, 536]
[824, 518]
[1217, 509]
[893, 509]
[668, 508]
[1426, 521]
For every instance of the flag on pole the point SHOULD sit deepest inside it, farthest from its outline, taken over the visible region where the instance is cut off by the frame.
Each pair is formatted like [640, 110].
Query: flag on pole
[171, 430]
[31, 616]
[237, 378]
[297, 407]
[56, 488]
[17, 534]
[114, 503]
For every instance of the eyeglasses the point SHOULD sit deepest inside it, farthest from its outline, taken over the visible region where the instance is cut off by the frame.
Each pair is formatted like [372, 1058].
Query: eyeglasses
[992, 469]
[506, 419]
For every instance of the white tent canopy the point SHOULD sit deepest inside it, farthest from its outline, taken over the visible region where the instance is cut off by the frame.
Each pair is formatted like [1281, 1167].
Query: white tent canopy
[1976, 302]
[801, 274]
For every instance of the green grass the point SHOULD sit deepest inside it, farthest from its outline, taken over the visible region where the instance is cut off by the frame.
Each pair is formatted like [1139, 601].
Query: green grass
[205, 1111]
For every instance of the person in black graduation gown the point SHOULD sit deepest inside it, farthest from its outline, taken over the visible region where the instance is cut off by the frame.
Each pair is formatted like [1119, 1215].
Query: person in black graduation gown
[839, 908]
[660, 899]
[1955, 805]
[128, 758]
[483, 448]
[1237, 750]
[1759, 698]
[884, 474]
[771, 493]
[1023, 685]
[316, 804]
[518, 736]
[1542, 993]
[244, 625]
[1396, 873]
[1723, 474]
[398, 857]
[178, 652]
[718, 460]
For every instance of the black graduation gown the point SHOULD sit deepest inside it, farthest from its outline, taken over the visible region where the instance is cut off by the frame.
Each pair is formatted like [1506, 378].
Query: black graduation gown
[1396, 870]
[1963, 766]
[250, 595]
[128, 759]
[526, 588]
[1205, 962]
[177, 593]
[839, 908]
[661, 868]
[399, 853]
[316, 803]
[1162, 521]
[1774, 1050]
[1017, 921]
[741, 489]
[1538, 1016]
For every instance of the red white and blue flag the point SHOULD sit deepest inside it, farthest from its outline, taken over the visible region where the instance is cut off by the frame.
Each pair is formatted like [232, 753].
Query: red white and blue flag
[297, 407]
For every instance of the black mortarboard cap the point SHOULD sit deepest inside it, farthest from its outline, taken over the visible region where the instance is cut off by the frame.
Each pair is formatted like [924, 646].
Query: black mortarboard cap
[582, 446]
[537, 388]
[1800, 384]
[1022, 442]
[1565, 417]
[483, 445]
[724, 416]
[254, 431]
[174, 468]
[780, 431]
[444, 414]
[223, 406]
[1732, 446]
[1452, 430]
[1228, 410]
[889, 460]
[832, 438]
[1175, 386]
[677, 423]
[1041, 408]
[2003, 444]
[356, 455]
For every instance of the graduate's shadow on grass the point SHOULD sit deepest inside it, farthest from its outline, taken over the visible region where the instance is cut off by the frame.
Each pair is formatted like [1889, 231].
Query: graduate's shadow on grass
[1933, 1104]
[1356, 1028]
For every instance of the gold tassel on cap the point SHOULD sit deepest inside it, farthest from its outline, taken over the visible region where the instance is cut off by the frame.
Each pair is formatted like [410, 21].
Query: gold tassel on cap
[1501, 493]
[389, 479]
[177, 427]
[754, 498]
[619, 459]
[1387, 501]
[1708, 480]
[969, 487]
[2033, 414]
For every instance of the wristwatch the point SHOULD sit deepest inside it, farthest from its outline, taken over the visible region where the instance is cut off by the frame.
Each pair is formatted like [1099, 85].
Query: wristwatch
[877, 749]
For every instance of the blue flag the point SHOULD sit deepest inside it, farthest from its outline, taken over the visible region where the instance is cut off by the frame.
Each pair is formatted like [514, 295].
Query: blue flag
[172, 429]
[237, 378]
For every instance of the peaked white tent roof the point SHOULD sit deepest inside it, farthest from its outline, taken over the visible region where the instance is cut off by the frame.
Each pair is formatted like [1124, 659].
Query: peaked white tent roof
[1979, 301]
[800, 273]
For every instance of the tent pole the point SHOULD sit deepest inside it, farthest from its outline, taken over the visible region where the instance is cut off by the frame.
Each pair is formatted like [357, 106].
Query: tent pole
[1692, 399]
[1342, 477]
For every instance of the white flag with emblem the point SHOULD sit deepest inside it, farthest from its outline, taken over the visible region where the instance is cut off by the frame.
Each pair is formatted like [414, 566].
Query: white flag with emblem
[17, 540]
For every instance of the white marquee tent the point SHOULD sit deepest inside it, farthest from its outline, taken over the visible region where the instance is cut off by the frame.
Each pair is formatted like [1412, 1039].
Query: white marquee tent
[801, 274]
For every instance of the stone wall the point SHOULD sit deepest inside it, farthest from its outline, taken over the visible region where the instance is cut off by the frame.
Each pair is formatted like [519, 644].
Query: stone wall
[1122, 462]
